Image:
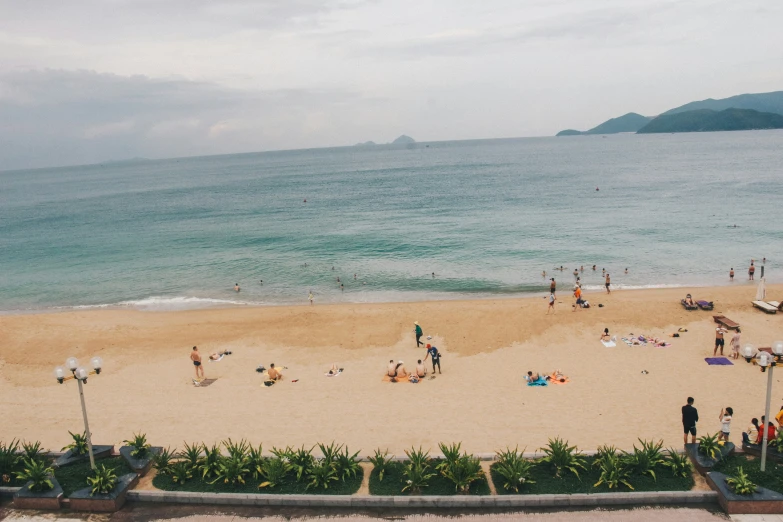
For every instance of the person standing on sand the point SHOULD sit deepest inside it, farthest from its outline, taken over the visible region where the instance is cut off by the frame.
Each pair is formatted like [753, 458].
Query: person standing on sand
[578, 295]
[719, 341]
[608, 282]
[434, 354]
[551, 304]
[725, 423]
[196, 358]
[553, 287]
[731, 274]
[418, 332]
[735, 344]
[751, 271]
[690, 416]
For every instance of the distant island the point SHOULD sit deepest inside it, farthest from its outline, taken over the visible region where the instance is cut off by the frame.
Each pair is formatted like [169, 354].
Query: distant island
[707, 120]
[756, 111]
[402, 140]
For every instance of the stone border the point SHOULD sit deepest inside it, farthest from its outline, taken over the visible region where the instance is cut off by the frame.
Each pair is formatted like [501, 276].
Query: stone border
[456, 501]
[8, 491]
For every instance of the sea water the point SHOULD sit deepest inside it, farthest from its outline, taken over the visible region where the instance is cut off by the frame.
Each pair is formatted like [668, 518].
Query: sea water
[487, 217]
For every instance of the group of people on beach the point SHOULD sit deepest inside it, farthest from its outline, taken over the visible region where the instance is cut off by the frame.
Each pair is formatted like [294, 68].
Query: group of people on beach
[580, 301]
[751, 270]
[754, 434]
[396, 371]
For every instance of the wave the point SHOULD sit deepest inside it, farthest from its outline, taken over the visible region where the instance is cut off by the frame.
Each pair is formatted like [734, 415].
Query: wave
[161, 303]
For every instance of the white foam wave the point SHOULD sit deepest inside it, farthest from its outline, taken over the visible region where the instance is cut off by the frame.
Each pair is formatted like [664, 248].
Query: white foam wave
[161, 303]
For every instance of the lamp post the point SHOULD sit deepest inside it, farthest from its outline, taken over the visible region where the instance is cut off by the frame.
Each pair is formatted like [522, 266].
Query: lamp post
[765, 360]
[80, 374]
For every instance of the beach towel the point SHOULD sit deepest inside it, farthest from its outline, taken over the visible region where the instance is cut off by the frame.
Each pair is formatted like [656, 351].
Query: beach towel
[609, 344]
[540, 382]
[386, 378]
[203, 383]
[627, 341]
[705, 305]
[718, 361]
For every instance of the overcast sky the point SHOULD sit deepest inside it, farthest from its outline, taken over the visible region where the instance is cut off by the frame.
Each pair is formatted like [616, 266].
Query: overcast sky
[85, 81]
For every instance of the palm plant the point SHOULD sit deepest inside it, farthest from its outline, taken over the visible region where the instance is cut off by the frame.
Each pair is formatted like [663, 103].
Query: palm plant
[32, 450]
[644, 460]
[232, 470]
[514, 468]
[210, 463]
[329, 452]
[710, 446]
[139, 445]
[79, 444]
[320, 474]
[301, 460]
[777, 442]
[679, 463]
[274, 471]
[180, 472]
[102, 481]
[563, 457]
[416, 477]
[9, 457]
[237, 449]
[346, 465]
[741, 484]
[451, 455]
[191, 455]
[162, 461]
[381, 462]
[38, 473]
[603, 453]
[255, 461]
[614, 472]
[418, 457]
[463, 472]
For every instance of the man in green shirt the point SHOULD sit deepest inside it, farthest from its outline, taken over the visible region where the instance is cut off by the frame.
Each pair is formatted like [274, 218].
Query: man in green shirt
[419, 333]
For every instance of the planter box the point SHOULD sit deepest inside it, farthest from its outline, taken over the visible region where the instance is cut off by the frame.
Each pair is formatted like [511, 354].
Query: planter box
[702, 462]
[69, 458]
[755, 449]
[140, 466]
[763, 502]
[82, 501]
[26, 499]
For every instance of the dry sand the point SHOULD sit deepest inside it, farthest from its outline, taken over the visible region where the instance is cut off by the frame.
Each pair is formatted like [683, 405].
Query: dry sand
[480, 399]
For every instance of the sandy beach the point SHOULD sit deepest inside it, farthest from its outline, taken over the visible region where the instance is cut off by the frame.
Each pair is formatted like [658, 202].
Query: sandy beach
[480, 399]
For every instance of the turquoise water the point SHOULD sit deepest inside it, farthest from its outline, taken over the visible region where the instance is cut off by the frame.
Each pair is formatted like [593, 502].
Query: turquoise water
[486, 216]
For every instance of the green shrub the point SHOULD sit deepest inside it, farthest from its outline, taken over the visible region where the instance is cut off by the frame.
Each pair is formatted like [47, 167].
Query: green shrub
[255, 461]
[274, 471]
[180, 472]
[709, 445]
[191, 455]
[79, 445]
[346, 465]
[463, 472]
[644, 460]
[679, 463]
[614, 472]
[300, 459]
[9, 457]
[741, 484]
[514, 468]
[210, 462]
[777, 442]
[139, 445]
[232, 470]
[416, 477]
[418, 457]
[237, 449]
[451, 455]
[162, 461]
[320, 474]
[33, 450]
[39, 473]
[603, 453]
[381, 462]
[102, 481]
[329, 452]
[562, 457]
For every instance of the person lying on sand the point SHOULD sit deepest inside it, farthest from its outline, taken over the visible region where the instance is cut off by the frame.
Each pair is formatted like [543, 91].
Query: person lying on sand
[218, 355]
[532, 376]
[274, 373]
[558, 376]
[421, 371]
[334, 370]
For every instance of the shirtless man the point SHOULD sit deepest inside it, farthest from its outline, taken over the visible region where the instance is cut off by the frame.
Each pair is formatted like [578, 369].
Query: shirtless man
[391, 370]
[421, 371]
[553, 287]
[719, 342]
[274, 373]
[751, 271]
[608, 282]
[400, 370]
[532, 377]
[196, 358]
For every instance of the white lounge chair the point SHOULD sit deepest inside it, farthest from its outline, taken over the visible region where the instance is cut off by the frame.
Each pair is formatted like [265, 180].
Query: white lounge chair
[761, 305]
[776, 304]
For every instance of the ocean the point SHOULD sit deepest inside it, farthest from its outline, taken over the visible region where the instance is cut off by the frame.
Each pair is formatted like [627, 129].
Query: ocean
[486, 216]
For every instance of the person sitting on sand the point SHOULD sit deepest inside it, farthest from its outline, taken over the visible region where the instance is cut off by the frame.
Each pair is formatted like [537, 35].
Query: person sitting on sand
[421, 371]
[750, 435]
[274, 373]
[605, 336]
[400, 370]
[391, 370]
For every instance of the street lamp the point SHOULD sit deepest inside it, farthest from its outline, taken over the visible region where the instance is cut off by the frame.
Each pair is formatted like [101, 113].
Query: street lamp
[80, 374]
[765, 360]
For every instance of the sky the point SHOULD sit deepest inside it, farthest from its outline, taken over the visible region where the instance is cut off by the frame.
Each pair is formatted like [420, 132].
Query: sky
[86, 81]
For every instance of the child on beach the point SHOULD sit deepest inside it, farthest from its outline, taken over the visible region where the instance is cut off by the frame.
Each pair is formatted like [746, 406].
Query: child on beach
[725, 423]
[735, 344]
[551, 303]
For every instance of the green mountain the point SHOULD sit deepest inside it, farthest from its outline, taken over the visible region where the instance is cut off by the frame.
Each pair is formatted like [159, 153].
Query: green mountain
[706, 120]
[630, 122]
[762, 102]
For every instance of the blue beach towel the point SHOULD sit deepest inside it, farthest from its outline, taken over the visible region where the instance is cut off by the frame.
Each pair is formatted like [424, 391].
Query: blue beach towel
[718, 361]
[540, 382]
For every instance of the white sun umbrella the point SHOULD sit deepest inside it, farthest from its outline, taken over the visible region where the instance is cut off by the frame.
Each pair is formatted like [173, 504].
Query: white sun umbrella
[761, 291]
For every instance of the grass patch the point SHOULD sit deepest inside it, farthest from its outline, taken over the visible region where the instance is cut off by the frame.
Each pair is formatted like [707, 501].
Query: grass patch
[289, 487]
[546, 483]
[392, 483]
[771, 478]
[74, 477]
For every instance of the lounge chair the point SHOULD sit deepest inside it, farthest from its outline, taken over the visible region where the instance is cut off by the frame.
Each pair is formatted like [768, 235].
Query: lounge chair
[725, 321]
[688, 306]
[705, 305]
[765, 307]
[776, 304]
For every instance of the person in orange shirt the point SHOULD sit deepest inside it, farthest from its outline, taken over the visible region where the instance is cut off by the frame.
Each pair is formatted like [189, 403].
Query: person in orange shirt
[578, 295]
